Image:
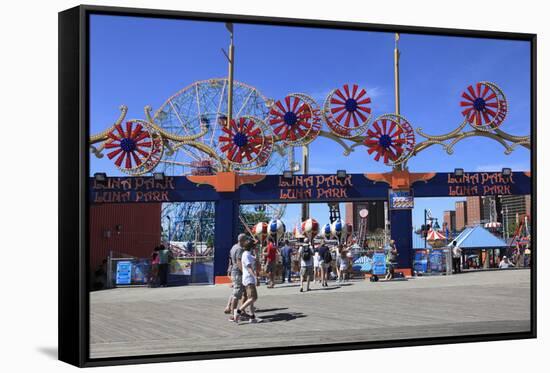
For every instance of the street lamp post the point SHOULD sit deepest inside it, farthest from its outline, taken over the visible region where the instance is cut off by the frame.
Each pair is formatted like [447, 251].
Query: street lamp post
[425, 226]
[507, 226]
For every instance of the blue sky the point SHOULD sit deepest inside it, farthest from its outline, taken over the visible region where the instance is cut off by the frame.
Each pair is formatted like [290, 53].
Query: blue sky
[143, 61]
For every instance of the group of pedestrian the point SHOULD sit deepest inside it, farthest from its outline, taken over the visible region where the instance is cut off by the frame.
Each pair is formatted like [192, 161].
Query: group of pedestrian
[316, 263]
[243, 267]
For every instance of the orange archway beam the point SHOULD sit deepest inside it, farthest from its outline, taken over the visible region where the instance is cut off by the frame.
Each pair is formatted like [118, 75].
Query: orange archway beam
[226, 181]
[399, 179]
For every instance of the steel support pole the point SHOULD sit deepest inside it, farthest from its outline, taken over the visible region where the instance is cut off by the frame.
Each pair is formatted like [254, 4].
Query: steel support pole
[305, 171]
[230, 83]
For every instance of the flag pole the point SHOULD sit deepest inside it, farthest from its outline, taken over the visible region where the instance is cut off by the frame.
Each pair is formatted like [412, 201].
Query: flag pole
[396, 80]
[396, 73]
[231, 59]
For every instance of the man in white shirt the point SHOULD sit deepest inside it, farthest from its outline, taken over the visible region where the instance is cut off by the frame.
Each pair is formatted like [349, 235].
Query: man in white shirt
[457, 257]
[248, 262]
[505, 263]
[306, 265]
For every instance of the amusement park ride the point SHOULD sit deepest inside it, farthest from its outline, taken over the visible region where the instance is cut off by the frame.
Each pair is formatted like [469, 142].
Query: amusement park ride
[198, 133]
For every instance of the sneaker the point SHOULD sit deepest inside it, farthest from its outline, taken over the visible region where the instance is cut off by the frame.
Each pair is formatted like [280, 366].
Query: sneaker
[236, 316]
[255, 320]
[301, 290]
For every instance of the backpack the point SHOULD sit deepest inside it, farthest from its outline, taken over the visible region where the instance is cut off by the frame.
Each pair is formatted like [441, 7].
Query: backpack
[327, 256]
[306, 255]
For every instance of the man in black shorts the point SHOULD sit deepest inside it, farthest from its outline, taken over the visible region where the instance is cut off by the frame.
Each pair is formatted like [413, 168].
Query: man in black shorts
[235, 255]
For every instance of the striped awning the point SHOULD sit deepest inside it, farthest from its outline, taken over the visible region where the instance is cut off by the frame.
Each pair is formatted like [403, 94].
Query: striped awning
[434, 235]
[493, 224]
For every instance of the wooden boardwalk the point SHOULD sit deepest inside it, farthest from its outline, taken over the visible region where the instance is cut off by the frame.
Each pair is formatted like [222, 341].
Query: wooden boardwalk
[139, 321]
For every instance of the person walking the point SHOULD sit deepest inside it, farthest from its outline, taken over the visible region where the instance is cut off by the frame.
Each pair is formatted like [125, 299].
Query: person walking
[325, 259]
[286, 255]
[235, 258]
[316, 266]
[271, 261]
[154, 275]
[248, 263]
[457, 254]
[164, 263]
[341, 264]
[306, 265]
[391, 260]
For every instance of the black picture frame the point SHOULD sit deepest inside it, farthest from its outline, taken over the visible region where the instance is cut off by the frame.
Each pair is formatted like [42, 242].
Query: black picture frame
[73, 183]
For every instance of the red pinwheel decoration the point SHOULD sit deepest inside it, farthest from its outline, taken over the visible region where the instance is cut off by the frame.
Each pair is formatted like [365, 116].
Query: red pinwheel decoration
[242, 143]
[292, 120]
[131, 147]
[391, 137]
[481, 105]
[349, 108]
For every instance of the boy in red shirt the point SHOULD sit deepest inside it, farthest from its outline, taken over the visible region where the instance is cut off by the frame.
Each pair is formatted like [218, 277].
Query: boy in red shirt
[271, 261]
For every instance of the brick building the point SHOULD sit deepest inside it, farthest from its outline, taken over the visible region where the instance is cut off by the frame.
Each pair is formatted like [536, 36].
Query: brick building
[461, 215]
[513, 207]
[449, 218]
[474, 210]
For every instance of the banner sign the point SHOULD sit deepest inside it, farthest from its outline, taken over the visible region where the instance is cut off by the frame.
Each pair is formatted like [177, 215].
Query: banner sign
[143, 189]
[437, 261]
[181, 267]
[302, 188]
[363, 264]
[273, 188]
[474, 184]
[379, 264]
[420, 261]
[140, 271]
[123, 272]
[401, 200]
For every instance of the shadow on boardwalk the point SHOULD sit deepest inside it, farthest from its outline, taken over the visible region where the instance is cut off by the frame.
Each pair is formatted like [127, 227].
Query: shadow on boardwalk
[260, 310]
[282, 316]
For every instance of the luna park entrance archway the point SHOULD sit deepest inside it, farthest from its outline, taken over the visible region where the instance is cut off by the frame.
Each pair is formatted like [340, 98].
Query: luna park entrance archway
[229, 189]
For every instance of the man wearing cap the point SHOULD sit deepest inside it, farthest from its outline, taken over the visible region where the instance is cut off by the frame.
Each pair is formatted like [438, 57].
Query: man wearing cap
[505, 263]
[457, 255]
[235, 256]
